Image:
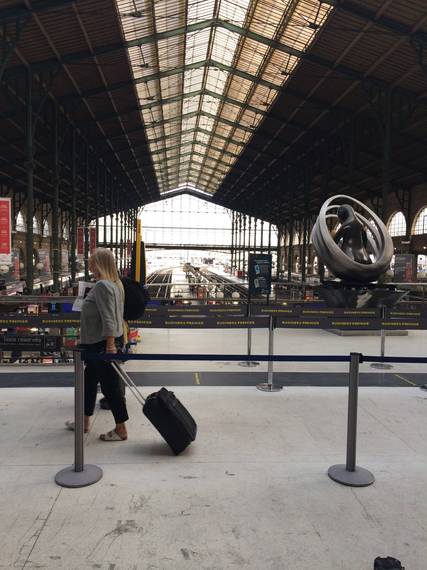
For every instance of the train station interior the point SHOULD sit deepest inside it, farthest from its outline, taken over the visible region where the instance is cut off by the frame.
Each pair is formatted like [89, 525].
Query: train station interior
[257, 169]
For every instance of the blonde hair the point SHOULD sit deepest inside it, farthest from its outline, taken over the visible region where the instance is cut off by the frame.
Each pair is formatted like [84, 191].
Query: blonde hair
[102, 260]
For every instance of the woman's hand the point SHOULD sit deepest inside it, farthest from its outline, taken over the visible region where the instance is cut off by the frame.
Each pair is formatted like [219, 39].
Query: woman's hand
[110, 347]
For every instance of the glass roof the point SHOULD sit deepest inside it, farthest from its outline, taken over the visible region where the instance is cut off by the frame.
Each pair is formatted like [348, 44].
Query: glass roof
[206, 73]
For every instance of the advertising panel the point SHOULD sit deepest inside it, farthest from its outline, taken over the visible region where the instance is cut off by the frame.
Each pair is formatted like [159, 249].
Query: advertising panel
[5, 231]
[404, 268]
[43, 266]
[92, 239]
[64, 261]
[80, 240]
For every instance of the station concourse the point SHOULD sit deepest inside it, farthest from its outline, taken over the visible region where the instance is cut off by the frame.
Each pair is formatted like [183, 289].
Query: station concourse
[198, 141]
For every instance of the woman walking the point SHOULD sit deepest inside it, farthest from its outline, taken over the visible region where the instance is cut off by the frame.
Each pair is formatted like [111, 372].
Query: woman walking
[101, 330]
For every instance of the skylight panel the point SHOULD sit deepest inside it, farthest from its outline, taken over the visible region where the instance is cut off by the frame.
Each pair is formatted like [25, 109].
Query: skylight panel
[189, 104]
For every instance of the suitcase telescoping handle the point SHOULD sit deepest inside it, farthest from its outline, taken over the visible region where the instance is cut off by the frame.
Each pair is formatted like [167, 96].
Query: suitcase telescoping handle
[128, 381]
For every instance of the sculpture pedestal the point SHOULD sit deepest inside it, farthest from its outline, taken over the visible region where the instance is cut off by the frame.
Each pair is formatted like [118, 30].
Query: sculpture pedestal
[342, 294]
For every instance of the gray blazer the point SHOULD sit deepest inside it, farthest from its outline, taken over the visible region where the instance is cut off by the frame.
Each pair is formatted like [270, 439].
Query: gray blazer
[102, 313]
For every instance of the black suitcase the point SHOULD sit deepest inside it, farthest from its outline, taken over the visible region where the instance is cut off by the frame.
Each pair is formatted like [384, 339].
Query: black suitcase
[172, 420]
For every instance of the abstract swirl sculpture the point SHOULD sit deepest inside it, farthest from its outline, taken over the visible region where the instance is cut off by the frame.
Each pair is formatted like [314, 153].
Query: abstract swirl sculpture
[361, 248]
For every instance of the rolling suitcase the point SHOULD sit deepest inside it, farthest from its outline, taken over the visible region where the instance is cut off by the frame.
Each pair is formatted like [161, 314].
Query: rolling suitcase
[171, 419]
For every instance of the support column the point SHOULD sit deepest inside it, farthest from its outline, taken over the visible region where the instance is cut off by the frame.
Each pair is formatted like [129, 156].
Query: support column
[97, 200]
[262, 237]
[239, 251]
[290, 250]
[73, 225]
[255, 228]
[111, 216]
[117, 250]
[105, 208]
[30, 180]
[55, 205]
[304, 252]
[244, 243]
[387, 132]
[232, 242]
[86, 218]
[121, 241]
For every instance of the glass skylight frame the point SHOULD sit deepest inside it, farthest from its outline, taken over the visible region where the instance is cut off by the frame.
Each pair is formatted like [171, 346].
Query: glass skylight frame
[201, 78]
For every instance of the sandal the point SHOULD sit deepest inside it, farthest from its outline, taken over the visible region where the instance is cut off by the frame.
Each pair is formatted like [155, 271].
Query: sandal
[71, 426]
[112, 436]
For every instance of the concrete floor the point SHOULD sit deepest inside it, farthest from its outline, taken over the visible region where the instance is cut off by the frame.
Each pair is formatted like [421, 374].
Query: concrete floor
[251, 492]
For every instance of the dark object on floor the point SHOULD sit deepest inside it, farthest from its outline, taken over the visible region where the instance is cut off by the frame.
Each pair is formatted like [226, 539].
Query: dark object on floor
[171, 419]
[103, 404]
[423, 387]
[388, 563]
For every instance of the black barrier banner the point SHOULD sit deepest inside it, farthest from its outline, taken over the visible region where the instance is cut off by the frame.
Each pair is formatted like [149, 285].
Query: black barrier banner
[39, 321]
[329, 323]
[403, 324]
[200, 323]
[340, 312]
[352, 321]
[29, 342]
[354, 324]
[196, 310]
[404, 313]
[275, 310]
[301, 323]
[296, 310]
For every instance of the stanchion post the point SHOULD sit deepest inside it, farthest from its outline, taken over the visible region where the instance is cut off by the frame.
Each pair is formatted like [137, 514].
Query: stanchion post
[350, 474]
[249, 363]
[79, 474]
[382, 365]
[269, 386]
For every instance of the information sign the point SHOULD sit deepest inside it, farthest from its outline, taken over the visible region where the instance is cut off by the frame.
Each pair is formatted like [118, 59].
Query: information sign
[30, 342]
[259, 274]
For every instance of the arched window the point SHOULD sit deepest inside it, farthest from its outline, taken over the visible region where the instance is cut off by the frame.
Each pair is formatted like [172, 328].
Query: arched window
[36, 227]
[46, 229]
[397, 225]
[20, 223]
[420, 226]
[65, 232]
[296, 239]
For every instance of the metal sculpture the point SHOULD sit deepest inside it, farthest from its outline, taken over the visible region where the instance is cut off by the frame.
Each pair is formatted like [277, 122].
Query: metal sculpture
[360, 250]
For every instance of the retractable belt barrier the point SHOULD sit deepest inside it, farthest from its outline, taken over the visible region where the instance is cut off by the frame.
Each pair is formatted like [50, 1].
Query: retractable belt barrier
[350, 474]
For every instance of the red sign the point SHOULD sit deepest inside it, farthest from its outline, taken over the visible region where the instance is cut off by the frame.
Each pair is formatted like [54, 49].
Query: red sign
[5, 226]
[80, 240]
[92, 239]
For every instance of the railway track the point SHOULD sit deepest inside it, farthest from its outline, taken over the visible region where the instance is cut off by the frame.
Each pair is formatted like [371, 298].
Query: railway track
[159, 284]
[222, 283]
